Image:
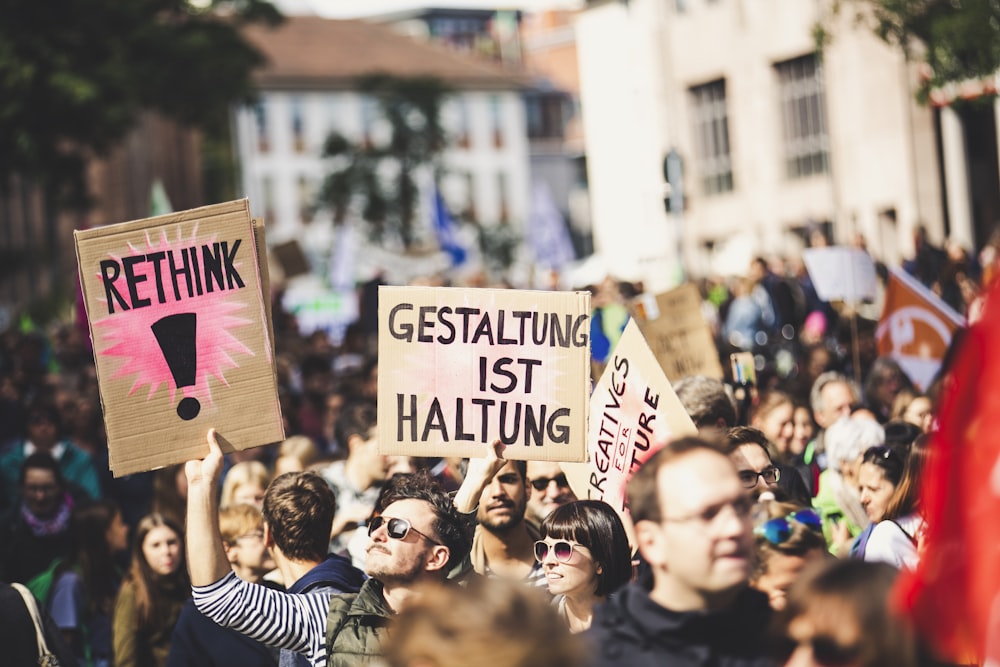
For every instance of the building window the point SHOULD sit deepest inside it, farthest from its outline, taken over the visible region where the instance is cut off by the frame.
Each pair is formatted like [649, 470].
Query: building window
[267, 190]
[803, 114]
[496, 121]
[260, 115]
[298, 124]
[711, 131]
[503, 194]
[369, 114]
[546, 115]
[464, 134]
[470, 197]
[306, 199]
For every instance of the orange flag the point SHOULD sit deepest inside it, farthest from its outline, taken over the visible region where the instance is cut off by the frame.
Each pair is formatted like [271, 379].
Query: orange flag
[915, 328]
[954, 594]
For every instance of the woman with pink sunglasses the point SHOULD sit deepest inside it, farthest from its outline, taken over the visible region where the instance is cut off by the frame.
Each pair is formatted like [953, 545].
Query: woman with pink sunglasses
[585, 554]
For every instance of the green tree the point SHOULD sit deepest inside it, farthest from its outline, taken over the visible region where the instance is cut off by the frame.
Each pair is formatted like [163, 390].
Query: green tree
[380, 178]
[74, 78]
[957, 39]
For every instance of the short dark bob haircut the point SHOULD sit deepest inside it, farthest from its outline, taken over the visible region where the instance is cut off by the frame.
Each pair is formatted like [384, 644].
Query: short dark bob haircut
[595, 525]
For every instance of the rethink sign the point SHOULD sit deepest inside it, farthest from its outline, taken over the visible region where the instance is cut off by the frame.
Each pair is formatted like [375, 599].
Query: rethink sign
[179, 318]
[459, 368]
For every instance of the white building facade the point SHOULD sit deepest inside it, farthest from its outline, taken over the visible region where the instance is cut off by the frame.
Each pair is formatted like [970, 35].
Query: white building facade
[279, 140]
[775, 141]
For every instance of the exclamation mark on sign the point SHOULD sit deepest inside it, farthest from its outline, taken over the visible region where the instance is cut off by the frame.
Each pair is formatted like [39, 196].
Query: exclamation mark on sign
[176, 336]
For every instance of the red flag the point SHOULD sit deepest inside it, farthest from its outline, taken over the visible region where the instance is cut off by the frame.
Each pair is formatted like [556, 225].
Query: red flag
[954, 594]
[915, 328]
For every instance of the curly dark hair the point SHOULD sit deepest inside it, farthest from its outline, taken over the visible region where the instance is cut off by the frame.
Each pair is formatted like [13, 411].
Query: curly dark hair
[454, 530]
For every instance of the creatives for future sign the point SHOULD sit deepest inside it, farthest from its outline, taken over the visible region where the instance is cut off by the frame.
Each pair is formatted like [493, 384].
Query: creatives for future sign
[180, 323]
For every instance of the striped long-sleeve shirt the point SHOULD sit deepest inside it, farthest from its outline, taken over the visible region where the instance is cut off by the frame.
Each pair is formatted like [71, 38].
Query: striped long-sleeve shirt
[294, 621]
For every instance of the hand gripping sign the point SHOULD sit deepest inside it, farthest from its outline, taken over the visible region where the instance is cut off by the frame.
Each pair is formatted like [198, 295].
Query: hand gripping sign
[181, 333]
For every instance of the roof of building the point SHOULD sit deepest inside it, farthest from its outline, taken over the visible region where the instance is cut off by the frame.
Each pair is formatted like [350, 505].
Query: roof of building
[309, 52]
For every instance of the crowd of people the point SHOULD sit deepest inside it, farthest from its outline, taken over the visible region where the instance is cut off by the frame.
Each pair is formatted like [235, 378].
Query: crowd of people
[773, 537]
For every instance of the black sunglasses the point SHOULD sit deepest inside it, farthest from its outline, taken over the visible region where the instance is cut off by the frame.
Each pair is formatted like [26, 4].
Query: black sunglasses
[749, 477]
[826, 651]
[397, 529]
[562, 550]
[542, 483]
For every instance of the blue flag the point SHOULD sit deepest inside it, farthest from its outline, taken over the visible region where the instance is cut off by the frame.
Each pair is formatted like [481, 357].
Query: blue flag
[445, 229]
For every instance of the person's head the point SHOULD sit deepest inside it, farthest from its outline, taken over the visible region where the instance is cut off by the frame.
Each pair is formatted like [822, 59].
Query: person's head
[242, 530]
[298, 512]
[880, 474]
[916, 409]
[356, 430]
[838, 614]
[905, 497]
[503, 502]
[416, 533]
[788, 539]
[883, 382]
[245, 483]
[803, 429]
[748, 450]
[584, 549]
[846, 440]
[548, 488]
[41, 484]
[831, 398]
[98, 531]
[295, 454]
[488, 623]
[707, 401]
[43, 426]
[692, 523]
[774, 416]
[158, 549]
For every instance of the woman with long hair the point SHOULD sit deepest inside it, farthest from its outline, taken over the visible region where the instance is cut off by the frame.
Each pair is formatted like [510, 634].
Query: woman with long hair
[585, 554]
[896, 537]
[151, 596]
[86, 583]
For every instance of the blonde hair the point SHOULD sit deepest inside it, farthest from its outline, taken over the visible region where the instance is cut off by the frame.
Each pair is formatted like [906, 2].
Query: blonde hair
[239, 519]
[489, 623]
[244, 473]
[299, 450]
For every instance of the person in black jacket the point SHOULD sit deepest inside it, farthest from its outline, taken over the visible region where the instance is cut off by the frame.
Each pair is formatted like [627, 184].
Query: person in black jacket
[17, 632]
[693, 606]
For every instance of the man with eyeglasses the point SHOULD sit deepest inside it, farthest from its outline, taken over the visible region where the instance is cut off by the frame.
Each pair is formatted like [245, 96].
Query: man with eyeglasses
[548, 490]
[748, 450]
[416, 538]
[692, 517]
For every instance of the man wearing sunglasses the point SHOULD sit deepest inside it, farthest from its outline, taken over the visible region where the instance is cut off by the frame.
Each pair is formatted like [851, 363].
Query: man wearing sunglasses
[692, 518]
[417, 537]
[548, 490]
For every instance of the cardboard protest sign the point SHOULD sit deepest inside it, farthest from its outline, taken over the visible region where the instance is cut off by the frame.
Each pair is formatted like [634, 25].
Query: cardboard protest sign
[633, 413]
[677, 333]
[840, 273]
[180, 324]
[459, 368]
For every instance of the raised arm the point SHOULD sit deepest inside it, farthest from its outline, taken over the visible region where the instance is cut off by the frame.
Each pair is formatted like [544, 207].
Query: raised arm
[479, 475]
[207, 562]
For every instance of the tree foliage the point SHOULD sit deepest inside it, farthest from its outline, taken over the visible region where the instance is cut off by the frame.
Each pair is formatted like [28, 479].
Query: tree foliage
[379, 178]
[75, 78]
[958, 39]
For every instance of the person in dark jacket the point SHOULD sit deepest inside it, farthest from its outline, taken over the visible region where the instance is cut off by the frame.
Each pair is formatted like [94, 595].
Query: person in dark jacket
[197, 641]
[694, 605]
[18, 636]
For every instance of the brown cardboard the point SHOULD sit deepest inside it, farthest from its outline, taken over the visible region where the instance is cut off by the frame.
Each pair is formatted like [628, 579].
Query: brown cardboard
[633, 413]
[436, 380]
[142, 312]
[677, 333]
